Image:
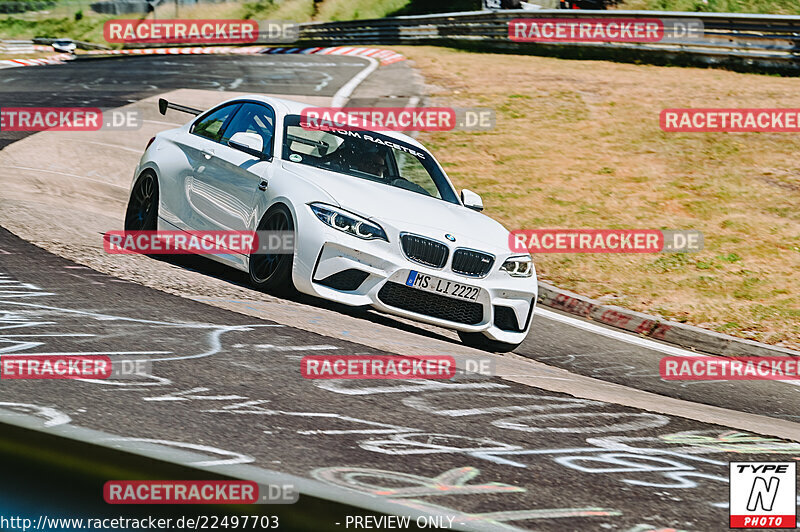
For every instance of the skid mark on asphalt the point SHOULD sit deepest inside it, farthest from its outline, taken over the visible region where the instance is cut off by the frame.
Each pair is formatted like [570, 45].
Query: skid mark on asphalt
[17, 315]
[567, 460]
[454, 482]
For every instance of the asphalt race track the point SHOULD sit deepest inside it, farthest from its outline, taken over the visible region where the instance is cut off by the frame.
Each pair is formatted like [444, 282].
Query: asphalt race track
[495, 453]
[109, 83]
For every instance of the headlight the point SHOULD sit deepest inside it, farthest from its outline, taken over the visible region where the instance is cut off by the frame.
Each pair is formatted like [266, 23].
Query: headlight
[348, 222]
[521, 266]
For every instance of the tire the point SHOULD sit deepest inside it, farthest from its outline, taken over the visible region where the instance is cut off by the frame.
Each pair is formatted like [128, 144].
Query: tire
[480, 341]
[269, 272]
[142, 211]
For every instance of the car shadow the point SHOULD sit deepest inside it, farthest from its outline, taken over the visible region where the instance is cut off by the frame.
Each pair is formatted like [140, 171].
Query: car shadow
[212, 268]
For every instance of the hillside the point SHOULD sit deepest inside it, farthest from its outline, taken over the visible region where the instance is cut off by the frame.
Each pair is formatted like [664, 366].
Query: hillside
[64, 20]
[775, 7]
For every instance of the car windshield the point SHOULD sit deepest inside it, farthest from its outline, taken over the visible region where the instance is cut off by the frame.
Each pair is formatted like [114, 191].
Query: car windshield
[366, 155]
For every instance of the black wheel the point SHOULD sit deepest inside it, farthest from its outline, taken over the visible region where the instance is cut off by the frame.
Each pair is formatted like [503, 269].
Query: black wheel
[142, 211]
[273, 272]
[480, 341]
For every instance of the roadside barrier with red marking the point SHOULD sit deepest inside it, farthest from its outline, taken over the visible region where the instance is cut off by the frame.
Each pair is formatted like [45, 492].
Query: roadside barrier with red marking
[52, 60]
[386, 57]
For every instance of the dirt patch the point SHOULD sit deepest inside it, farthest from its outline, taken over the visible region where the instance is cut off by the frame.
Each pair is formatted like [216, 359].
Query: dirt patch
[578, 145]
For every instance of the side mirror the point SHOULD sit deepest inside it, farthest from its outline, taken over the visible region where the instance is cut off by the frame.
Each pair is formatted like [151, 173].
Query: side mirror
[471, 200]
[249, 143]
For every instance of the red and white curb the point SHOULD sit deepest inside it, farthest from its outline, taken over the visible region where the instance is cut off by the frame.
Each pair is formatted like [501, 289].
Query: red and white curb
[681, 334]
[386, 57]
[52, 60]
[204, 50]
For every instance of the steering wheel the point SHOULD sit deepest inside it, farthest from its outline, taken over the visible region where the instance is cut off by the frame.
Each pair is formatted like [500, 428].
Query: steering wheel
[401, 182]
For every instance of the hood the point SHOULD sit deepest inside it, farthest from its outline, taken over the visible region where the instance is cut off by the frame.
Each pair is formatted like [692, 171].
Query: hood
[407, 211]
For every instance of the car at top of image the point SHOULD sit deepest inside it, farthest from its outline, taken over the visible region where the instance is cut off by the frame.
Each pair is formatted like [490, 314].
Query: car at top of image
[376, 220]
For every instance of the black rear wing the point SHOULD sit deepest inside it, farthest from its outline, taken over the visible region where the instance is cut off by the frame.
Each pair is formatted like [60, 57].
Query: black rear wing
[163, 105]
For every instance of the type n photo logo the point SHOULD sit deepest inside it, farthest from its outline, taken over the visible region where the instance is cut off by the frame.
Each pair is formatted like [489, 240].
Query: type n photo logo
[763, 495]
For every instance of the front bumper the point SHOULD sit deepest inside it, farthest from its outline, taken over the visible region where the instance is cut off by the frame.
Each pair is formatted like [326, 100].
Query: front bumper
[503, 310]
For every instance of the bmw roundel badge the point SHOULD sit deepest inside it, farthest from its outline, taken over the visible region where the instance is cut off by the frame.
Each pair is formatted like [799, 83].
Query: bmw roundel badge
[450, 237]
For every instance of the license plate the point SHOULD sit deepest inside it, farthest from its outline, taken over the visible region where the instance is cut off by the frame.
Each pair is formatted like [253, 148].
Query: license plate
[429, 283]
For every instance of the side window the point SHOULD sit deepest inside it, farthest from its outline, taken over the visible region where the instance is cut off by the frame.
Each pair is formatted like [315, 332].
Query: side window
[210, 126]
[255, 119]
[411, 169]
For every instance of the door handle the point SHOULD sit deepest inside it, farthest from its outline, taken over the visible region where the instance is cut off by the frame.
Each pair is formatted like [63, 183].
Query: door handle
[263, 185]
[209, 153]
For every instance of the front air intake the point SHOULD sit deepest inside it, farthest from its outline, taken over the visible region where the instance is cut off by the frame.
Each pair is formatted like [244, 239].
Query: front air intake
[424, 250]
[472, 263]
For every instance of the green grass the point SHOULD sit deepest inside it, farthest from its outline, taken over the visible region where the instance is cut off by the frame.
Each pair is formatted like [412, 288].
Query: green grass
[86, 25]
[336, 10]
[86, 29]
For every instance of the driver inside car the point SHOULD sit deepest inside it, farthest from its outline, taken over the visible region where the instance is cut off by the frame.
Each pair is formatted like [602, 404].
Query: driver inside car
[372, 161]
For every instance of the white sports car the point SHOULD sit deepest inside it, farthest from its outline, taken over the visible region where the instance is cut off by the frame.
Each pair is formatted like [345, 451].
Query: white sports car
[375, 218]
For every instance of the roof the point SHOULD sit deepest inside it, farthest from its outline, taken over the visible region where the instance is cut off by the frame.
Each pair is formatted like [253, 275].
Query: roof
[293, 107]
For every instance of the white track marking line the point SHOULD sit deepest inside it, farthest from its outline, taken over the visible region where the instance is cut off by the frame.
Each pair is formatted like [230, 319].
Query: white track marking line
[296, 347]
[612, 333]
[343, 94]
[627, 338]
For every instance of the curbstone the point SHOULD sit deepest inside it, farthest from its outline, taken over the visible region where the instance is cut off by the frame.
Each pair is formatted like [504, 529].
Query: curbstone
[673, 332]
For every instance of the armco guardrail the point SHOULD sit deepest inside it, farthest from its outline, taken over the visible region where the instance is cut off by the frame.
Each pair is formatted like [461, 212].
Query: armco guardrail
[744, 41]
[80, 44]
[17, 47]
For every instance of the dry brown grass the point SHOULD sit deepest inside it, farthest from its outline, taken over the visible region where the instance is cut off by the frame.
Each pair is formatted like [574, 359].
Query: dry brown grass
[578, 145]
